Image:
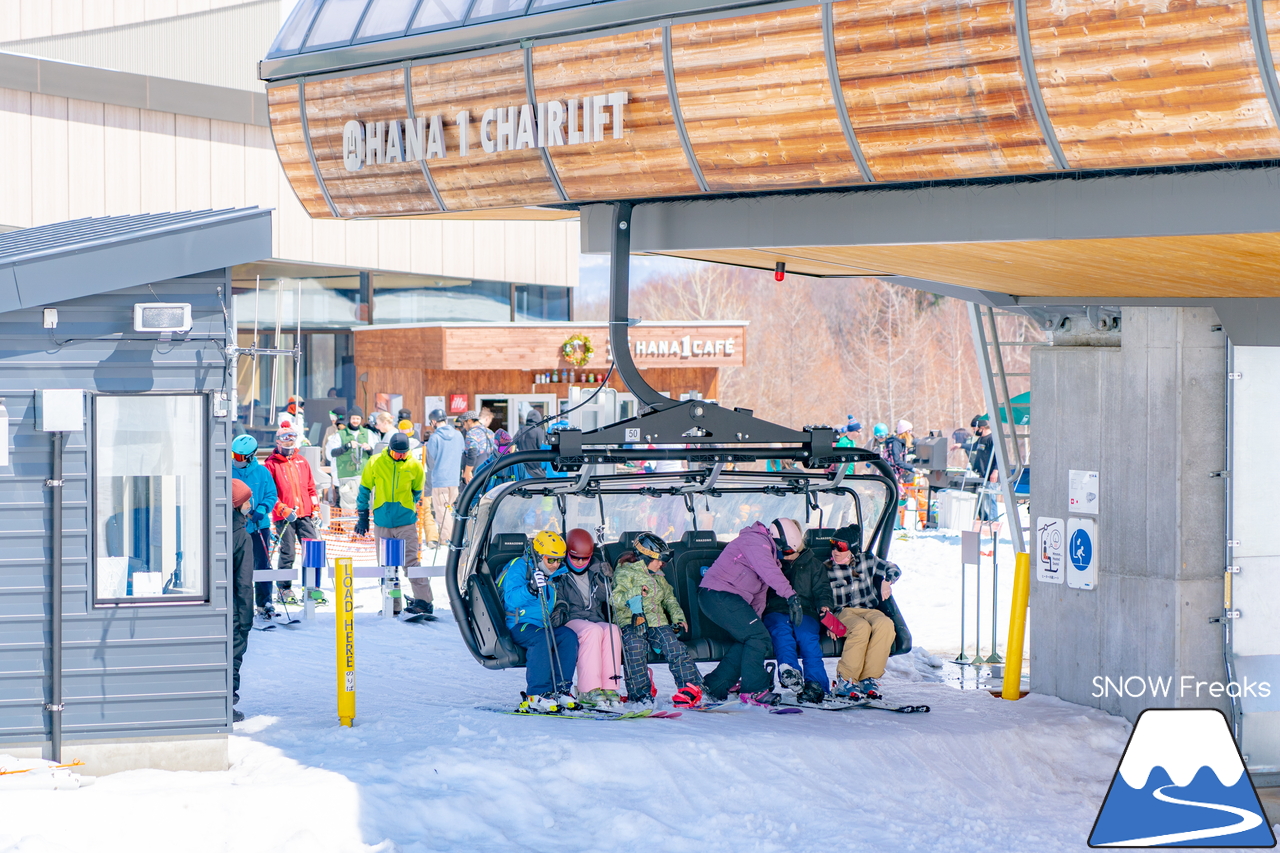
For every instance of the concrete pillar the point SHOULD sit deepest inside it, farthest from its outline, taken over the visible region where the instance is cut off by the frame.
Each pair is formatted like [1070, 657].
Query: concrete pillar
[1148, 414]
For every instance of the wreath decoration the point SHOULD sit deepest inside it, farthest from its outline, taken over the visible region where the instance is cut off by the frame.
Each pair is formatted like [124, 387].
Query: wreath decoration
[577, 350]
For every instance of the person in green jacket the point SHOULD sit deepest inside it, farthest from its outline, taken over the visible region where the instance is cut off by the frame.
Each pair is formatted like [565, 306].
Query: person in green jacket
[351, 446]
[392, 482]
[646, 609]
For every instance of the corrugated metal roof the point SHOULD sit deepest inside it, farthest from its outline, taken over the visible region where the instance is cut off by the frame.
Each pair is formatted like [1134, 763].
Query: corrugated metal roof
[66, 260]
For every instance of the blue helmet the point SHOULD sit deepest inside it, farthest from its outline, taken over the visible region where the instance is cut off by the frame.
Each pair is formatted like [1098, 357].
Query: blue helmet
[244, 445]
[880, 430]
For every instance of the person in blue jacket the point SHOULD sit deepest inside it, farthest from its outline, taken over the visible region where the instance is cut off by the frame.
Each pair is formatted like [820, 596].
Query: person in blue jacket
[247, 469]
[536, 620]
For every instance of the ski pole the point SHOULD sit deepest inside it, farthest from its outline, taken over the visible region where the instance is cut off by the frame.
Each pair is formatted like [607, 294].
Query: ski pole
[608, 612]
[553, 650]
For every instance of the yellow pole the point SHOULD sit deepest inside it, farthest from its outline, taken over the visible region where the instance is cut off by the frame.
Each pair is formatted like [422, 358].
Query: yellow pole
[1017, 627]
[345, 636]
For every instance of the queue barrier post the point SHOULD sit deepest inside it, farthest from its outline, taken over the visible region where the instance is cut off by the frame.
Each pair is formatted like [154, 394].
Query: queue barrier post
[391, 558]
[313, 560]
[1017, 627]
[345, 640]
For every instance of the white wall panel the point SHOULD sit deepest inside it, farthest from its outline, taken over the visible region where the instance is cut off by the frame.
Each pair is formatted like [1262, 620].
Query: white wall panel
[67, 16]
[87, 169]
[122, 137]
[394, 252]
[15, 142]
[361, 244]
[458, 255]
[49, 162]
[192, 172]
[128, 12]
[226, 162]
[37, 18]
[490, 264]
[159, 161]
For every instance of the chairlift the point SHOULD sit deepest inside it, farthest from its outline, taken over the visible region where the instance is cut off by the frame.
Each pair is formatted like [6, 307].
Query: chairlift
[698, 511]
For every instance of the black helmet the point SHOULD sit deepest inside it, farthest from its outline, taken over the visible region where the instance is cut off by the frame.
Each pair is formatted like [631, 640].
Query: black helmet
[652, 546]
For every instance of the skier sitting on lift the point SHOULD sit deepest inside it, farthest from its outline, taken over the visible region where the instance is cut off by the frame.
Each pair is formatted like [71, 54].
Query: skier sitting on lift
[585, 590]
[536, 620]
[797, 645]
[860, 581]
[646, 608]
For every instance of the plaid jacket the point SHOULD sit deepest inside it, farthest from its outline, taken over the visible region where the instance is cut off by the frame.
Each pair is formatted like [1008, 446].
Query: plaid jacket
[858, 584]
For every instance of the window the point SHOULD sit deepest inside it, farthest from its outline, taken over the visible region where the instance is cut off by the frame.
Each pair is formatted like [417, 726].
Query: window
[149, 486]
[423, 299]
[541, 302]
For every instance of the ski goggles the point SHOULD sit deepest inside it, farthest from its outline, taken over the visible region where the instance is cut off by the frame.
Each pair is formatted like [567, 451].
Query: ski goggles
[398, 455]
[837, 545]
[240, 457]
[553, 561]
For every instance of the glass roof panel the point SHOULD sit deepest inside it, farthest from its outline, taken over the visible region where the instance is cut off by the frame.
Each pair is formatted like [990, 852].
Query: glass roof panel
[436, 14]
[548, 5]
[386, 18]
[295, 29]
[336, 22]
[483, 10]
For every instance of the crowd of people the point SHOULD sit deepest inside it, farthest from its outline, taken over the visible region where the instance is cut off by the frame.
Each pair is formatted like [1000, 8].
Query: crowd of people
[574, 613]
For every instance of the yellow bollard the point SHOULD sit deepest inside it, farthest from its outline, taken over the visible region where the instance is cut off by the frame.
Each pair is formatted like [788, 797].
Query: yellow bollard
[1017, 627]
[345, 637]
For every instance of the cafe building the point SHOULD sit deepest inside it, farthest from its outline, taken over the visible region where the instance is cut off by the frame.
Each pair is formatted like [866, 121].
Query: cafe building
[510, 368]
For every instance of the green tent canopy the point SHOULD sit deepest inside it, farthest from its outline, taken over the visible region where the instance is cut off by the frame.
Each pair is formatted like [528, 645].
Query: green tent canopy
[1021, 410]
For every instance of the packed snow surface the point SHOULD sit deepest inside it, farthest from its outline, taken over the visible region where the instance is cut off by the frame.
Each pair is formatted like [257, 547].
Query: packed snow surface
[428, 768]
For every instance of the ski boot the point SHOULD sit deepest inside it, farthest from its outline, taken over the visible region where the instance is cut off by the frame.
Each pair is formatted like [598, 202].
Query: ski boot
[689, 696]
[237, 716]
[564, 697]
[545, 703]
[870, 688]
[592, 700]
[287, 596]
[419, 606]
[847, 690]
[763, 699]
[811, 694]
[611, 700]
[317, 596]
[790, 678]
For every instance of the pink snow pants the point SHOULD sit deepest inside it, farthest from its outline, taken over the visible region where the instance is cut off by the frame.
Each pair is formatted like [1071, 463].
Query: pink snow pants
[599, 654]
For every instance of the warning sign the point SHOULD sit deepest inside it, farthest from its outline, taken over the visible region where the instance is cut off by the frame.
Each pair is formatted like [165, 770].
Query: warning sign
[1051, 550]
[1082, 492]
[1082, 551]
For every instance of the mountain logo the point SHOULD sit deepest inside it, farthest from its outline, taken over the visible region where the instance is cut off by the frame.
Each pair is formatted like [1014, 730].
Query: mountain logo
[1181, 783]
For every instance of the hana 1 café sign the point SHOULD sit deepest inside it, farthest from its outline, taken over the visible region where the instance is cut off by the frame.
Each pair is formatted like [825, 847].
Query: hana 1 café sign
[545, 125]
[682, 347]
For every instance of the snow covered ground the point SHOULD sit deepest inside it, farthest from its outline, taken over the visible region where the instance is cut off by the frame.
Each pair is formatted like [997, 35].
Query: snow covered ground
[427, 768]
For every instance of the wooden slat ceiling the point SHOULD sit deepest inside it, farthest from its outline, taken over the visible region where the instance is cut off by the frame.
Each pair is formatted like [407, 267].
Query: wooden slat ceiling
[1225, 265]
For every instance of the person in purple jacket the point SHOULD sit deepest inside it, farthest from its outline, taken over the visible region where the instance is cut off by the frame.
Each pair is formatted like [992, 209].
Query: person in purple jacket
[732, 595]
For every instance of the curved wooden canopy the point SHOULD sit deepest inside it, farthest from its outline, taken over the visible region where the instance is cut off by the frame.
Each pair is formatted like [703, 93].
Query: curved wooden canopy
[775, 97]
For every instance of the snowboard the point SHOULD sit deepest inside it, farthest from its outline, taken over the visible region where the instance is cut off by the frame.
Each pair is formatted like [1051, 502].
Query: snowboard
[416, 618]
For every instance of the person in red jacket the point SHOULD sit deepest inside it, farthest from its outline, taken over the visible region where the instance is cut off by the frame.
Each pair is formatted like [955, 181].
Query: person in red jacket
[296, 501]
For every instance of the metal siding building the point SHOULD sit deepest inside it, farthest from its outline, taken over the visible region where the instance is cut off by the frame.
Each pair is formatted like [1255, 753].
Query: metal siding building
[156, 673]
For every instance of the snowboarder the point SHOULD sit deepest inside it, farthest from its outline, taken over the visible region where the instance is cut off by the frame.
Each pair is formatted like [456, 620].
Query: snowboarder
[296, 502]
[798, 648]
[536, 618]
[647, 611]
[254, 474]
[860, 581]
[733, 595]
[393, 482]
[241, 584]
[585, 589]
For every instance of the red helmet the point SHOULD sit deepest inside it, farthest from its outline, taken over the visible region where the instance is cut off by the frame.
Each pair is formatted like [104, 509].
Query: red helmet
[581, 545]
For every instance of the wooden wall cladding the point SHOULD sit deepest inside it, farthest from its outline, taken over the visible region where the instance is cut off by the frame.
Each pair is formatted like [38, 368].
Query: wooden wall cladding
[475, 84]
[757, 102]
[648, 160]
[291, 147]
[1148, 83]
[387, 189]
[934, 88]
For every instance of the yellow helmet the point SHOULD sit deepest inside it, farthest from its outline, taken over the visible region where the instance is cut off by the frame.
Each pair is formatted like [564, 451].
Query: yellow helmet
[548, 543]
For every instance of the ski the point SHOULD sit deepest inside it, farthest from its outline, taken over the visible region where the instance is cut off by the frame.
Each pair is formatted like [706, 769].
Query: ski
[415, 618]
[286, 619]
[261, 623]
[598, 716]
[844, 705]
